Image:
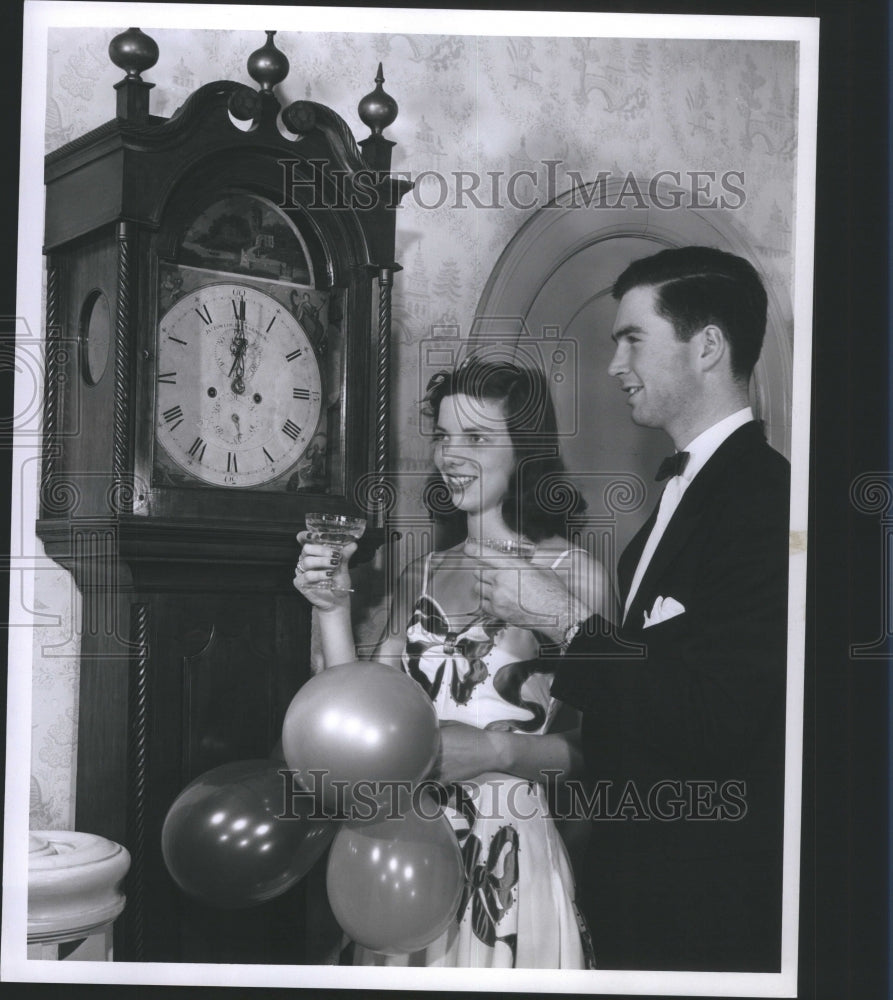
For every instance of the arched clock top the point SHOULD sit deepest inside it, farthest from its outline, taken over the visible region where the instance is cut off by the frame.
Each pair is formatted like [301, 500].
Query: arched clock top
[313, 144]
[309, 120]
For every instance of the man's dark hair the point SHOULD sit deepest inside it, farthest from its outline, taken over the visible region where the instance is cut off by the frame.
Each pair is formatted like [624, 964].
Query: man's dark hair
[698, 286]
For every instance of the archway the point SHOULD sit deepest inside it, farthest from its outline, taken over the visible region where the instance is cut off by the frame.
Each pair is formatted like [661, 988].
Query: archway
[548, 299]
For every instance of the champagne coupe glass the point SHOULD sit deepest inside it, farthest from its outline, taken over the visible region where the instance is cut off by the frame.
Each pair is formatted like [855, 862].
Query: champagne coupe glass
[520, 549]
[335, 530]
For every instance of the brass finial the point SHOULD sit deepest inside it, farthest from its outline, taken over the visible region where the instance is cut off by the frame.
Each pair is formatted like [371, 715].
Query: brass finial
[133, 52]
[378, 109]
[267, 65]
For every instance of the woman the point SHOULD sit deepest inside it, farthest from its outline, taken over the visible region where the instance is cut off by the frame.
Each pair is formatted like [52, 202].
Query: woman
[495, 442]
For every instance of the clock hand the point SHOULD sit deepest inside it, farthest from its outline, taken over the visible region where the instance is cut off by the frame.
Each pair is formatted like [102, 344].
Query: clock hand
[239, 356]
[237, 348]
[238, 383]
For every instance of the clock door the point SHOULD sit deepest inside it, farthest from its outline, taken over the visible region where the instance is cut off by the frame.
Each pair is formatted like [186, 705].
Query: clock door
[249, 359]
[235, 660]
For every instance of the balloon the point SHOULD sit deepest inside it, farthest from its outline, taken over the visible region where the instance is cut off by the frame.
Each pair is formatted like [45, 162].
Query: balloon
[223, 843]
[360, 722]
[394, 884]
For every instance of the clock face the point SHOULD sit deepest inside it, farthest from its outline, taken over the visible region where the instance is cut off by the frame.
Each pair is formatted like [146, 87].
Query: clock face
[239, 391]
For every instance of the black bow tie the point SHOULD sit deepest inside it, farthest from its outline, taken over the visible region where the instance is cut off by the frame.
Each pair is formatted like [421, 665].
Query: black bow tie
[672, 465]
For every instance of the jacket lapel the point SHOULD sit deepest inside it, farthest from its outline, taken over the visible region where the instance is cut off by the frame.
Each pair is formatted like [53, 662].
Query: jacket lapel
[685, 519]
[629, 558]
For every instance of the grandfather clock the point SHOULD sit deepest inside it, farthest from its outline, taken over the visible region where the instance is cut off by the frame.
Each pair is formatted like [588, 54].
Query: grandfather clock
[216, 368]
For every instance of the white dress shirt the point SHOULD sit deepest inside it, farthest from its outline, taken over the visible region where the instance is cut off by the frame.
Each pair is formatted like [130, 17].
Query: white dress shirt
[699, 452]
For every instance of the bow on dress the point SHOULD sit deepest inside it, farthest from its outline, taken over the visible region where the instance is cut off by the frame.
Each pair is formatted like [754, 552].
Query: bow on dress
[489, 884]
[430, 629]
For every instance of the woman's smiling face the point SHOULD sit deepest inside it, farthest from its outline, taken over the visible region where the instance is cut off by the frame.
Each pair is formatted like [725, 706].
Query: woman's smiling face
[473, 451]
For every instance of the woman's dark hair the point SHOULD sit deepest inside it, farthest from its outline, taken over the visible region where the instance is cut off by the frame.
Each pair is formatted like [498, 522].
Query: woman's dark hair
[540, 497]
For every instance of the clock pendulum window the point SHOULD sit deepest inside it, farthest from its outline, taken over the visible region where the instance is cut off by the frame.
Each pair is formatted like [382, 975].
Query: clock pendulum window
[210, 342]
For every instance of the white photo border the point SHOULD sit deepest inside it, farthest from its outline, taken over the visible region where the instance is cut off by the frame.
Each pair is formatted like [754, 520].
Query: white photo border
[39, 18]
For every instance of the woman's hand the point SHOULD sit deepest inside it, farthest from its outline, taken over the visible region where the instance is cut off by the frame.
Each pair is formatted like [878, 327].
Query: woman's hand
[320, 563]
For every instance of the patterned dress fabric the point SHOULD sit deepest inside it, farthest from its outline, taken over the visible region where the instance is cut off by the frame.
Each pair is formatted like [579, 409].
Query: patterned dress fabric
[517, 909]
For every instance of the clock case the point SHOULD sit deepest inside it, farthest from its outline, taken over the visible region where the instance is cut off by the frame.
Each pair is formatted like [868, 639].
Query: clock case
[193, 640]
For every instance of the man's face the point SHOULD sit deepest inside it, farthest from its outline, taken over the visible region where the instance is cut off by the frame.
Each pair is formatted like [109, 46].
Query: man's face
[657, 371]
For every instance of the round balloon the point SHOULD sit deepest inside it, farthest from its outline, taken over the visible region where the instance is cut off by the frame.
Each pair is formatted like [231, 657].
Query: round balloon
[394, 885]
[354, 728]
[238, 836]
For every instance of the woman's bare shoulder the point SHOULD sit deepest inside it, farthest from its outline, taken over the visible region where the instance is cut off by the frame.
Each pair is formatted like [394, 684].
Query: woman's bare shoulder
[415, 568]
[550, 549]
[558, 552]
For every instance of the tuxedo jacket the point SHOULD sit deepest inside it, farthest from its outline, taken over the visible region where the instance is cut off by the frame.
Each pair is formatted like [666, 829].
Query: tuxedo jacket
[683, 728]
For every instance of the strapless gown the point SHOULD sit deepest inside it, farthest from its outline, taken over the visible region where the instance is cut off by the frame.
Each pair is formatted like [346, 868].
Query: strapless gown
[517, 909]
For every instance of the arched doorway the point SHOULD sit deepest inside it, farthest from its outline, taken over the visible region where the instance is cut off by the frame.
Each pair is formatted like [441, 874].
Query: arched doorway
[548, 300]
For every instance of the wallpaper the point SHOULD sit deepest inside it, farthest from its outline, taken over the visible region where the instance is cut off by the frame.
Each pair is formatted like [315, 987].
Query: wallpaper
[491, 128]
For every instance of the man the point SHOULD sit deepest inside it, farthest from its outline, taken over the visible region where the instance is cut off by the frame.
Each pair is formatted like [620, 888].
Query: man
[683, 701]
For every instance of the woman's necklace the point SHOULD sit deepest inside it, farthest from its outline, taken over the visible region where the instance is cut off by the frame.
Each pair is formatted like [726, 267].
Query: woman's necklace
[509, 546]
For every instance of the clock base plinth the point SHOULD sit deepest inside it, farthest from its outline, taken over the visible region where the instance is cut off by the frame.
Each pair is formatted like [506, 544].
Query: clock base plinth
[188, 661]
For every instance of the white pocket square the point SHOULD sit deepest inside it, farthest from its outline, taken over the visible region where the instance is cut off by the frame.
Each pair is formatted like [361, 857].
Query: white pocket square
[664, 609]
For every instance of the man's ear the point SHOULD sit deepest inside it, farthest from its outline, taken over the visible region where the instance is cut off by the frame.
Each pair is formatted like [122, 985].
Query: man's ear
[713, 347]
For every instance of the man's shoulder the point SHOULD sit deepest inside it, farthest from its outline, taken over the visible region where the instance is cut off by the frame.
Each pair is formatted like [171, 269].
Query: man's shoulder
[749, 463]
[746, 486]
[762, 459]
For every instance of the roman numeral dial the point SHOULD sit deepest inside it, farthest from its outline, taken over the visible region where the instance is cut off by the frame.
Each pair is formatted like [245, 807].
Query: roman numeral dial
[238, 389]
